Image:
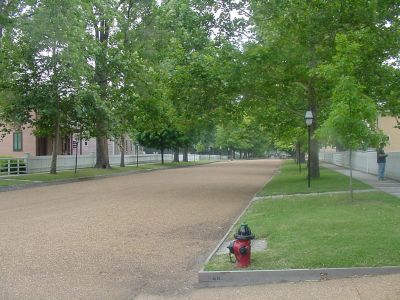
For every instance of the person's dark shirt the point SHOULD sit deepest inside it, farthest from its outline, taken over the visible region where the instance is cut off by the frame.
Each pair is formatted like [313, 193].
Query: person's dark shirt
[381, 156]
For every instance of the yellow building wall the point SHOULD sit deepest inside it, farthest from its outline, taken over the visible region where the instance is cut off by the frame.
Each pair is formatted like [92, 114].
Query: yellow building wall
[386, 124]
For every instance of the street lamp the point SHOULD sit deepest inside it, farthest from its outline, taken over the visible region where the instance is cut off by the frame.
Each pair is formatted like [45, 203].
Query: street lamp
[309, 120]
[137, 154]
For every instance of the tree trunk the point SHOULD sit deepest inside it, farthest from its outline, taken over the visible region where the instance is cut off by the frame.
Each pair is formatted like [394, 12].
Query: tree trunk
[298, 155]
[122, 150]
[351, 174]
[314, 161]
[102, 160]
[312, 103]
[102, 31]
[185, 154]
[176, 155]
[56, 141]
[162, 156]
[314, 148]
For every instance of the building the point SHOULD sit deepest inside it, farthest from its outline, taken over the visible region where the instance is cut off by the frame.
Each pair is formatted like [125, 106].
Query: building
[387, 125]
[19, 142]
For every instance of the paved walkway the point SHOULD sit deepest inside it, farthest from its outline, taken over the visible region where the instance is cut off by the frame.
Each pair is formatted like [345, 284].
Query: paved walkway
[388, 185]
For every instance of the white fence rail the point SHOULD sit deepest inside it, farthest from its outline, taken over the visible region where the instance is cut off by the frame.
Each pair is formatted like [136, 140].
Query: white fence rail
[37, 164]
[364, 161]
[11, 166]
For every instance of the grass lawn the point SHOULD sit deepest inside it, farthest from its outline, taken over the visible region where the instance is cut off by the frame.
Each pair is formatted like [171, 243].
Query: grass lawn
[10, 182]
[186, 164]
[288, 180]
[88, 172]
[323, 231]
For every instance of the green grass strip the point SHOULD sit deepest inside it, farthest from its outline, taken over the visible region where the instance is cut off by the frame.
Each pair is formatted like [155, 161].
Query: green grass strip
[88, 172]
[11, 182]
[323, 231]
[289, 180]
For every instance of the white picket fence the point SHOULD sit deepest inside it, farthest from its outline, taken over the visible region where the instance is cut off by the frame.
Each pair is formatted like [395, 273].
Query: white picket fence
[37, 164]
[364, 161]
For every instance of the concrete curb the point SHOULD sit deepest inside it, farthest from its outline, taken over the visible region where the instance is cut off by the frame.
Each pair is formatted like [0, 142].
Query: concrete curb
[223, 239]
[236, 278]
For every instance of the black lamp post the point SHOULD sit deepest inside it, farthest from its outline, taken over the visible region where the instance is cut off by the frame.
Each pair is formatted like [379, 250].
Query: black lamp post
[137, 154]
[309, 120]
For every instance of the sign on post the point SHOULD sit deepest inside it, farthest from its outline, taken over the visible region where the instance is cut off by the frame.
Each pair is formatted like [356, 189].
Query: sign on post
[75, 146]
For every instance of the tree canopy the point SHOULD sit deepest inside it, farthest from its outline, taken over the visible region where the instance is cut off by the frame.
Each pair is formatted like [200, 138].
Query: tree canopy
[203, 74]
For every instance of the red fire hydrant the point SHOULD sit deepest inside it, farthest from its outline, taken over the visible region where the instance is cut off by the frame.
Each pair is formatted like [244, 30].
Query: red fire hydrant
[241, 247]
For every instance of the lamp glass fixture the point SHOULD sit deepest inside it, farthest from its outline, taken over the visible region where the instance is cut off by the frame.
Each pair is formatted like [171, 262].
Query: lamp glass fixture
[309, 118]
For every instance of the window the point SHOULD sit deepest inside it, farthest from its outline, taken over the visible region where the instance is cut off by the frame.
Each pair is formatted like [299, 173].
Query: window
[17, 141]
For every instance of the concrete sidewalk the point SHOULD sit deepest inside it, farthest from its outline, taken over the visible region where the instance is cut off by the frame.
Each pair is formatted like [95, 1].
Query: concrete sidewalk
[389, 186]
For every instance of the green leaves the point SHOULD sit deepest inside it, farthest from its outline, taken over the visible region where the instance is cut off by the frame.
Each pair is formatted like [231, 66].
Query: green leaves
[46, 56]
[352, 118]
[326, 56]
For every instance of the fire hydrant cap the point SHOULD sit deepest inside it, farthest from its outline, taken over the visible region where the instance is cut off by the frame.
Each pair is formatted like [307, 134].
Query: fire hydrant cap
[244, 233]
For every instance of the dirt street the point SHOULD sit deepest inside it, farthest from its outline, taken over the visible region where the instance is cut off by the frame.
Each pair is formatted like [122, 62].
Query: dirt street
[138, 235]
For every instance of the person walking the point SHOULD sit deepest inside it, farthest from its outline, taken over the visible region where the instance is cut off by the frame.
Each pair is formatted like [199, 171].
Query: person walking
[381, 160]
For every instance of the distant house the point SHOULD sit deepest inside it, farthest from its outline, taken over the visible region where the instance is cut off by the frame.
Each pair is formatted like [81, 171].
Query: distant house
[18, 142]
[23, 141]
[387, 125]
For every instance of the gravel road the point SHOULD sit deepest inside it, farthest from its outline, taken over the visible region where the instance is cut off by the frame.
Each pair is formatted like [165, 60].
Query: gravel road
[135, 236]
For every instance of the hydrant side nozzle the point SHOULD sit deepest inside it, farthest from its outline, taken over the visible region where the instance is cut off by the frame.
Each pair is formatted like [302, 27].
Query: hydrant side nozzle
[230, 247]
[243, 250]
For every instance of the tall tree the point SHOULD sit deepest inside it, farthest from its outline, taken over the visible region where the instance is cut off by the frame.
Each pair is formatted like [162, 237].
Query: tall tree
[48, 64]
[296, 37]
[198, 68]
[130, 76]
[352, 119]
[101, 16]
[121, 30]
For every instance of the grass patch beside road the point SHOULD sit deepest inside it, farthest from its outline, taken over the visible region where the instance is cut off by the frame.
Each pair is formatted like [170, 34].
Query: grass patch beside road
[323, 231]
[10, 182]
[320, 231]
[288, 181]
[88, 172]
[70, 174]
